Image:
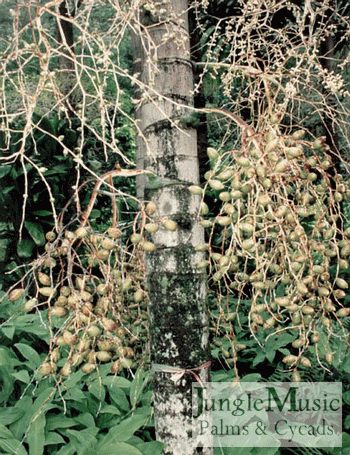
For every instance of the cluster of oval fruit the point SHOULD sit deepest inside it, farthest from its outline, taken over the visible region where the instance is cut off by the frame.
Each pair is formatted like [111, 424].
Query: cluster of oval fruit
[94, 285]
[284, 243]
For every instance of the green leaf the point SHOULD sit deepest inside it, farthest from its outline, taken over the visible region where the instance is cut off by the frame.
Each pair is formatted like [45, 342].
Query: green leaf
[137, 385]
[119, 397]
[75, 395]
[6, 384]
[83, 439]
[36, 232]
[53, 438]
[8, 330]
[68, 449]
[9, 443]
[54, 422]
[252, 377]
[95, 214]
[120, 448]
[346, 397]
[36, 436]
[33, 358]
[123, 431]
[13, 446]
[5, 433]
[10, 415]
[98, 390]
[259, 358]
[4, 170]
[42, 213]
[151, 448]
[109, 409]
[270, 354]
[25, 248]
[22, 376]
[114, 382]
[86, 419]
[347, 422]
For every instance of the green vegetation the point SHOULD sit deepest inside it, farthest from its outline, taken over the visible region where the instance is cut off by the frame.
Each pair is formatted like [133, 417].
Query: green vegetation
[74, 325]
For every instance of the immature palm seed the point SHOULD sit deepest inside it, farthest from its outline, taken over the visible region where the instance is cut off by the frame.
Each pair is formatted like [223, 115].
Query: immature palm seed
[47, 292]
[138, 295]
[315, 337]
[236, 194]
[225, 196]
[65, 290]
[15, 295]
[264, 200]
[267, 183]
[226, 174]
[339, 294]
[248, 244]
[116, 366]
[343, 312]
[298, 343]
[296, 376]
[77, 359]
[103, 356]
[66, 369]
[289, 359]
[305, 362]
[323, 292]
[58, 311]
[216, 185]
[107, 244]
[204, 209]
[307, 309]
[109, 324]
[342, 284]
[294, 152]
[30, 305]
[170, 225]
[151, 208]
[269, 323]
[329, 358]
[46, 368]
[243, 161]
[50, 236]
[55, 355]
[223, 220]
[148, 246]
[81, 233]
[126, 363]
[93, 331]
[69, 338]
[88, 368]
[151, 227]
[212, 153]
[282, 166]
[282, 301]
[114, 233]
[205, 223]
[80, 283]
[194, 189]
[102, 254]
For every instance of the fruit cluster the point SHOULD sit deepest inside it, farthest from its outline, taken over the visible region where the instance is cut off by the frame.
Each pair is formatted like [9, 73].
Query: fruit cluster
[91, 286]
[283, 243]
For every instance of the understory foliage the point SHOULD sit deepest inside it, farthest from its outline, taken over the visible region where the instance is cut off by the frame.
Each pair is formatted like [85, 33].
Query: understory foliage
[74, 354]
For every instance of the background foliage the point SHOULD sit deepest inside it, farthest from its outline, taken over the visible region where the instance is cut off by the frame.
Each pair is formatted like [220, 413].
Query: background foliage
[67, 145]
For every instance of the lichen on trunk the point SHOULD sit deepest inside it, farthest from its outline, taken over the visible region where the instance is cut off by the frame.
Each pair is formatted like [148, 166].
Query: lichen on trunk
[177, 289]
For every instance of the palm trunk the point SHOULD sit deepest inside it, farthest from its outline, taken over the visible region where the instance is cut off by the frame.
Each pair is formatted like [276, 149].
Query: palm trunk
[65, 35]
[177, 290]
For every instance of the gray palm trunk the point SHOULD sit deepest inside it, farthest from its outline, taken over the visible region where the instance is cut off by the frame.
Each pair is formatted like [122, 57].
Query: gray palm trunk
[177, 289]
